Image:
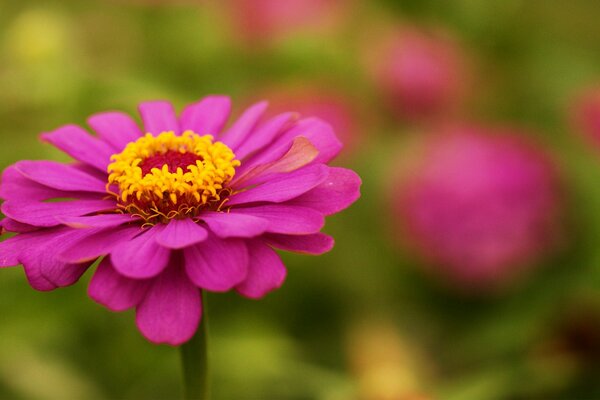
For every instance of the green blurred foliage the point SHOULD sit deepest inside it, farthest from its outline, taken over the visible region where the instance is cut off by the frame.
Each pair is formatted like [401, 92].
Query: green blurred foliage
[65, 60]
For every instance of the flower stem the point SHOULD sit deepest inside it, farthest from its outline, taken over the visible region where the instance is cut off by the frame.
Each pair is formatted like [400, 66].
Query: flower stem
[195, 361]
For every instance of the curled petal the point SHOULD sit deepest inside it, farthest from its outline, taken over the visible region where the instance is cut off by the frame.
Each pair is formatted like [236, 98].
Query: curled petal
[300, 153]
[283, 187]
[319, 133]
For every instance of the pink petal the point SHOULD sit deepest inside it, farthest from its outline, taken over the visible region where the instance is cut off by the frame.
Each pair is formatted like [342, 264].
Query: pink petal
[10, 225]
[337, 192]
[158, 117]
[226, 225]
[208, 116]
[100, 221]
[171, 310]
[60, 176]
[180, 233]
[97, 242]
[319, 133]
[217, 264]
[80, 145]
[264, 135]
[300, 154]
[49, 214]
[243, 126]
[266, 271]
[48, 274]
[314, 244]
[115, 128]
[43, 268]
[283, 187]
[11, 248]
[141, 257]
[286, 219]
[15, 186]
[113, 290]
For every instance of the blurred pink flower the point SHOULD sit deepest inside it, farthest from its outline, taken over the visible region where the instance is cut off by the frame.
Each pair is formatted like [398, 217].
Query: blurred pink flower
[586, 115]
[420, 74]
[481, 207]
[267, 20]
[336, 108]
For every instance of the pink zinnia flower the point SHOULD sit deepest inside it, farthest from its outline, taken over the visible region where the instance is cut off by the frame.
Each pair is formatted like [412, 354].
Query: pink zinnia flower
[419, 74]
[586, 116]
[479, 206]
[174, 211]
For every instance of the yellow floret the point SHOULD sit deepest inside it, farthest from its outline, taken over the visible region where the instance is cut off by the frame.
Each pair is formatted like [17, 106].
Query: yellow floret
[161, 192]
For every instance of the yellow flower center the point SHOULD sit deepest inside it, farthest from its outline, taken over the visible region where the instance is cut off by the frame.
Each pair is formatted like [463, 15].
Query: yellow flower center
[167, 176]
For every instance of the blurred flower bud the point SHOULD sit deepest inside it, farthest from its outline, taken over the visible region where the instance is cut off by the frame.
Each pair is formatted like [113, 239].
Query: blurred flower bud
[586, 116]
[480, 207]
[420, 74]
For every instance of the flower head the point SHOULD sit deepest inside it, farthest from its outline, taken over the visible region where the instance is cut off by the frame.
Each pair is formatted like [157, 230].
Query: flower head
[481, 207]
[420, 75]
[184, 205]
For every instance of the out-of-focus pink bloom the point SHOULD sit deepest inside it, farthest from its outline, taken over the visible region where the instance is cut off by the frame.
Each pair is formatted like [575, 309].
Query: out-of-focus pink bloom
[268, 20]
[586, 115]
[481, 205]
[332, 106]
[419, 74]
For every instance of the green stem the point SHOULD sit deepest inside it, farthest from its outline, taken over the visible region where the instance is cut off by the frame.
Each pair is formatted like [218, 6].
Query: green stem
[195, 361]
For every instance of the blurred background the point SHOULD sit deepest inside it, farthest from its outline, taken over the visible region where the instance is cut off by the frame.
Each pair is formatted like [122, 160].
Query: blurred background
[469, 269]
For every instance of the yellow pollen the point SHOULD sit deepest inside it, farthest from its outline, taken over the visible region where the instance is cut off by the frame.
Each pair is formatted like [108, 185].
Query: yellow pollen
[168, 176]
